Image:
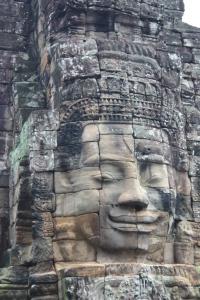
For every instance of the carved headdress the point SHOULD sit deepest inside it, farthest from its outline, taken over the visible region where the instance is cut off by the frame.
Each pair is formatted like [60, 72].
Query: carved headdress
[152, 111]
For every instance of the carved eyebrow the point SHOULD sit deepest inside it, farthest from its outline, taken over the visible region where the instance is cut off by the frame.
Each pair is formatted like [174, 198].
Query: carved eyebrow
[117, 158]
[107, 157]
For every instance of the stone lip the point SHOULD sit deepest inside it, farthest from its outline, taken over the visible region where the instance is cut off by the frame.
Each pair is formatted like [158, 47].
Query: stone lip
[122, 221]
[147, 217]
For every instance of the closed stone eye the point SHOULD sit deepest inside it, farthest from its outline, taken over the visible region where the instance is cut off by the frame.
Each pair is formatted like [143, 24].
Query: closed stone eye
[153, 179]
[105, 177]
[154, 175]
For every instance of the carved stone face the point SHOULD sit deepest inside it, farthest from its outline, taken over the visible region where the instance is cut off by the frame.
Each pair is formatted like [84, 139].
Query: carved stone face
[124, 194]
[134, 194]
[131, 201]
[122, 185]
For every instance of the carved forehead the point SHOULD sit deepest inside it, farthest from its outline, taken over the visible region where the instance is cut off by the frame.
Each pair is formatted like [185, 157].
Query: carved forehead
[127, 141]
[93, 131]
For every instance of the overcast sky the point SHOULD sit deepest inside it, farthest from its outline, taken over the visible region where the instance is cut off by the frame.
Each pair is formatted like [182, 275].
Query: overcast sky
[192, 12]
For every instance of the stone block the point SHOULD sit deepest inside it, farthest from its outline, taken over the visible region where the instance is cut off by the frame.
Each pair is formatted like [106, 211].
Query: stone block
[41, 140]
[77, 228]
[74, 156]
[41, 191]
[79, 89]
[110, 64]
[41, 290]
[4, 180]
[8, 292]
[67, 182]
[78, 47]
[152, 151]
[48, 297]
[78, 67]
[196, 55]
[74, 204]
[44, 203]
[2, 145]
[182, 182]
[89, 154]
[115, 129]
[42, 249]
[90, 133]
[23, 235]
[197, 255]
[5, 112]
[42, 224]
[183, 207]
[4, 94]
[22, 189]
[184, 253]
[72, 286]
[154, 175]
[126, 241]
[44, 277]
[196, 211]
[14, 275]
[69, 131]
[194, 166]
[147, 9]
[28, 95]
[4, 197]
[180, 159]
[41, 162]
[116, 147]
[42, 183]
[67, 157]
[191, 40]
[21, 255]
[169, 253]
[194, 147]
[73, 251]
[144, 132]
[44, 120]
[81, 270]
[118, 170]
[195, 183]
[187, 90]
[11, 41]
[116, 84]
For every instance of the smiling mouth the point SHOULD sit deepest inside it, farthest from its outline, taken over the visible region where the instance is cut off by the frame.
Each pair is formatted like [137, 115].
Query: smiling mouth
[137, 222]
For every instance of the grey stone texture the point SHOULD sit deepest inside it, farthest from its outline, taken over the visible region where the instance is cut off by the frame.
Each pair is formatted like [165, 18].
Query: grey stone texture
[99, 150]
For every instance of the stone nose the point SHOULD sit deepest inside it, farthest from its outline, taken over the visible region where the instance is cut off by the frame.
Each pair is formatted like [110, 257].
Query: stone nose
[135, 198]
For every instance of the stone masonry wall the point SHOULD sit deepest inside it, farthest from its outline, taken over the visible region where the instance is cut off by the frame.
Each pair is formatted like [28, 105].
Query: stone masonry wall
[13, 37]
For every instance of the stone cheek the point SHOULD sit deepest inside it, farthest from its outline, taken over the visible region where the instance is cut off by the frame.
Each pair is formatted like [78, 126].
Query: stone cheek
[77, 180]
[78, 203]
